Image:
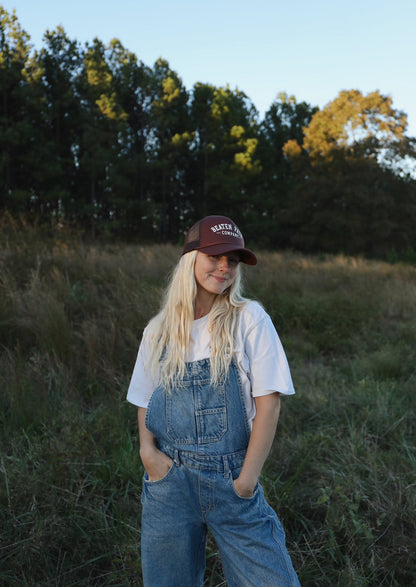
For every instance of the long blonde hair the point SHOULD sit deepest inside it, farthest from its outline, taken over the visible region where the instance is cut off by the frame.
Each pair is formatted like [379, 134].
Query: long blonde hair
[170, 329]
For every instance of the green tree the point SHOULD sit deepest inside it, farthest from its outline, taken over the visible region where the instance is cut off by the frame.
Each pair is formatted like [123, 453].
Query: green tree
[130, 176]
[225, 162]
[60, 61]
[285, 120]
[283, 125]
[168, 148]
[20, 112]
[346, 196]
[102, 121]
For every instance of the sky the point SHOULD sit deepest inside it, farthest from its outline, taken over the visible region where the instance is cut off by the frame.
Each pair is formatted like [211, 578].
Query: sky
[311, 49]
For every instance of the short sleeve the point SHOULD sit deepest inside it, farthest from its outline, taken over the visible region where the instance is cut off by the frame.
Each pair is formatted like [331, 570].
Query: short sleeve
[268, 368]
[141, 384]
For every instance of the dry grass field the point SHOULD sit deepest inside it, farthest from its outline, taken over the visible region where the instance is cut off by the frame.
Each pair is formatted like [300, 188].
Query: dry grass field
[342, 472]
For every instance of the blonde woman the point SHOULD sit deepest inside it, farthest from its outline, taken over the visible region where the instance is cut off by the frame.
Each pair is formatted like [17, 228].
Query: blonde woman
[207, 382]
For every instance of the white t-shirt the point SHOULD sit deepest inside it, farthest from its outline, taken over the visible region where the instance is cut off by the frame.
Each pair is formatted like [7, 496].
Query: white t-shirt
[258, 353]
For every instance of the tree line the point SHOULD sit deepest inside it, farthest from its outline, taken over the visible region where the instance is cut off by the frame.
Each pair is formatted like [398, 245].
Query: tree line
[93, 138]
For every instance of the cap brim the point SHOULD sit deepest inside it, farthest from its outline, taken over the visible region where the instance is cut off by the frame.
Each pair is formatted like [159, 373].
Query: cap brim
[246, 256]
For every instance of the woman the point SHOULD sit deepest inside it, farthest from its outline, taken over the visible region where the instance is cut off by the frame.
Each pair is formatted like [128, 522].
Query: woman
[207, 382]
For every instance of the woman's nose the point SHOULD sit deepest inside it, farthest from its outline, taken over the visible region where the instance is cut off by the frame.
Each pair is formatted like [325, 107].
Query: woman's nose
[223, 263]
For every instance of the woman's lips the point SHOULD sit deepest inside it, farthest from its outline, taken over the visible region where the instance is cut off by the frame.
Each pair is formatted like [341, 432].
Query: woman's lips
[219, 279]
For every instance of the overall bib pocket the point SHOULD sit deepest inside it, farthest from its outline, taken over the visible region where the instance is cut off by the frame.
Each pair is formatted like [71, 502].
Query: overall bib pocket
[196, 413]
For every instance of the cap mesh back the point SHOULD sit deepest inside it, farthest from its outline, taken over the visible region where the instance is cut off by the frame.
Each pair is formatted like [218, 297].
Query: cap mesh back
[193, 239]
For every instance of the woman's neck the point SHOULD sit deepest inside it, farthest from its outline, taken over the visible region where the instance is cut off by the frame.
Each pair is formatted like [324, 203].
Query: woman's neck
[200, 314]
[203, 303]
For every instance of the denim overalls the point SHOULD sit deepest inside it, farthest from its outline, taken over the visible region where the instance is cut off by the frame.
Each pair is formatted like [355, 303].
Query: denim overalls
[204, 429]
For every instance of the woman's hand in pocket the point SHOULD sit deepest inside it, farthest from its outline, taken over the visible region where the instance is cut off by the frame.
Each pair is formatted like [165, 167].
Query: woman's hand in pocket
[156, 463]
[242, 489]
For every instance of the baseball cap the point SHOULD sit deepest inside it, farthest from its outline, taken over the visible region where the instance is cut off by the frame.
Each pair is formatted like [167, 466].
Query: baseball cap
[217, 235]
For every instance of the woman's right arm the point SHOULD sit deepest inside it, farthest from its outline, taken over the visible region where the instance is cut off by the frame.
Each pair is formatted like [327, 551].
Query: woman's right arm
[156, 463]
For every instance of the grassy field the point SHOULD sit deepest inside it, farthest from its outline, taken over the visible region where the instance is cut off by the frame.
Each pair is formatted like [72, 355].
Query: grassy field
[342, 473]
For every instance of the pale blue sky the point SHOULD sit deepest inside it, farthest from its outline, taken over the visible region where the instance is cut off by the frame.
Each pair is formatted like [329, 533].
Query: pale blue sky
[309, 48]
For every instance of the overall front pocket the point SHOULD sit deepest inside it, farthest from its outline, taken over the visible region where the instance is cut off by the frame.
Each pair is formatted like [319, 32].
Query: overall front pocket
[162, 479]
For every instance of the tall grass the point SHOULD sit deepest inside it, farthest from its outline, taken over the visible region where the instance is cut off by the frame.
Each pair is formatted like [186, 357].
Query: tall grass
[342, 472]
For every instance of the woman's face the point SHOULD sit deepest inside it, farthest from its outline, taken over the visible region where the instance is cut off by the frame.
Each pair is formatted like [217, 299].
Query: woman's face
[214, 273]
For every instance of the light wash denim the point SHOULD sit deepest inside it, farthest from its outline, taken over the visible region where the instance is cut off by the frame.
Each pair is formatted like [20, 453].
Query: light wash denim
[204, 429]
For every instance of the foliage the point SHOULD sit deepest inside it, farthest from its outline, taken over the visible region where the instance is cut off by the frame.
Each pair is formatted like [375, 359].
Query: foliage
[349, 196]
[349, 120]
[94, 139]
[342, 471]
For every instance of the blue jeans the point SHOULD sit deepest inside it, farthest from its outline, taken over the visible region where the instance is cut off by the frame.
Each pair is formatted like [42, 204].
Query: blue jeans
[204, 430]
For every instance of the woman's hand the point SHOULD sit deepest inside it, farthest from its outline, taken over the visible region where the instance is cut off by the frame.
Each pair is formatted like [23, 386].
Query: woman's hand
[242, 489]
[156, 463]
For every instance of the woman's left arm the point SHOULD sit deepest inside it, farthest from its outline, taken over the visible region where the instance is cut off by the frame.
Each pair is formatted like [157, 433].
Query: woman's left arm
[261, 440]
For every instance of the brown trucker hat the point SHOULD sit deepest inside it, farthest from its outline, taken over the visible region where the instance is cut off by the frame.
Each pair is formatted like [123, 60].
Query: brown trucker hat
[217, 235]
